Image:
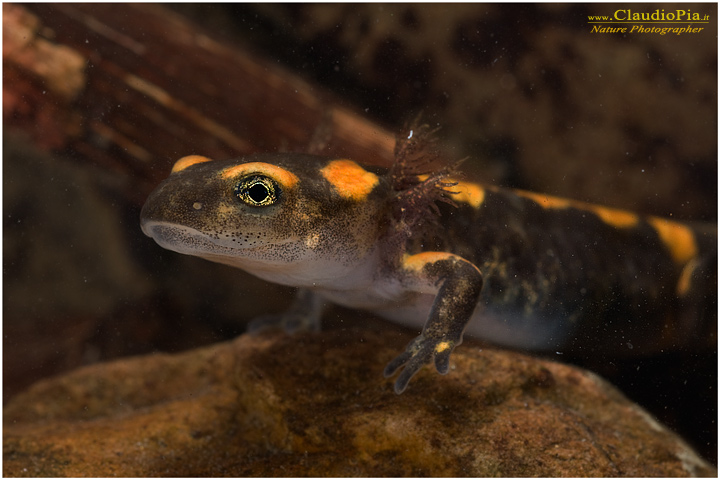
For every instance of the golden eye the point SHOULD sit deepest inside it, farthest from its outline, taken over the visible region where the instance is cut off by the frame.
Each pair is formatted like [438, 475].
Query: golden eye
[257, 190]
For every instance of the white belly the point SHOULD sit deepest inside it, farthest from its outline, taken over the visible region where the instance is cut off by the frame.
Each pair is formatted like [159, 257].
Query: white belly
[527, 333]
[393, 302]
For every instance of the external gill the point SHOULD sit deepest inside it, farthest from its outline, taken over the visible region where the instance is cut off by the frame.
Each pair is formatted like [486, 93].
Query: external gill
[416, 180]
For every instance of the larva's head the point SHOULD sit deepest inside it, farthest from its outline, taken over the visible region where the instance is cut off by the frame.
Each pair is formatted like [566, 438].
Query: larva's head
[265, 212]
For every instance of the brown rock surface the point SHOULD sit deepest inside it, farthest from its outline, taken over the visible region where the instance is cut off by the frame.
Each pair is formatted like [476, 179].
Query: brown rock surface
[317, 405]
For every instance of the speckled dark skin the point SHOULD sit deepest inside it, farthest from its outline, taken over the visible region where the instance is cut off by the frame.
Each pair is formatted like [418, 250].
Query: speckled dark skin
[613, 288]
[514, 268]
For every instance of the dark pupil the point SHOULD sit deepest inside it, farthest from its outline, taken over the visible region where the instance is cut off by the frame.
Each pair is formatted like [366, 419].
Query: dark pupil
[258, 192]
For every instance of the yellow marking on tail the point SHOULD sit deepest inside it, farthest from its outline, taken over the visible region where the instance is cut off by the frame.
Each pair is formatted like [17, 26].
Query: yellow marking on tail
[611, 216]
[678, 238]
[685, 280]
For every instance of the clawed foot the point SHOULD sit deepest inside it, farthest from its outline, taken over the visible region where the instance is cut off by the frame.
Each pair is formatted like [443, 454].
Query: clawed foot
[419, 352]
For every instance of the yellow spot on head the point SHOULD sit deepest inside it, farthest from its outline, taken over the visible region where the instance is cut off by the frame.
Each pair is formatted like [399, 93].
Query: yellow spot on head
[285, 178]
[349, 179]
[678, 238]
[185, 162]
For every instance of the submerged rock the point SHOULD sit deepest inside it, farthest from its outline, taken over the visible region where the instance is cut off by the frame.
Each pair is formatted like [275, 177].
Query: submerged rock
[317, 405]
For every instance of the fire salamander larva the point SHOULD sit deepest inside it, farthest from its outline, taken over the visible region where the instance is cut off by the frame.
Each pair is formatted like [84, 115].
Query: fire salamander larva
[426, 250]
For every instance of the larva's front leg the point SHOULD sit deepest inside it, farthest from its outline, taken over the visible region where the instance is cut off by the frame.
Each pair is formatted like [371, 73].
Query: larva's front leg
[460, 283]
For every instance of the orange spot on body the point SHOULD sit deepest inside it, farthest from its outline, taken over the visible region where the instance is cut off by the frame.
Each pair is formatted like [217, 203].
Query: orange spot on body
[469, 193]
[418, 261]
[284, 177]
[678, 239]
[545, 201]
[463, 192]
[611, 216]
[617, 218]
[185, 162]
[685, 280]
[349, 179]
